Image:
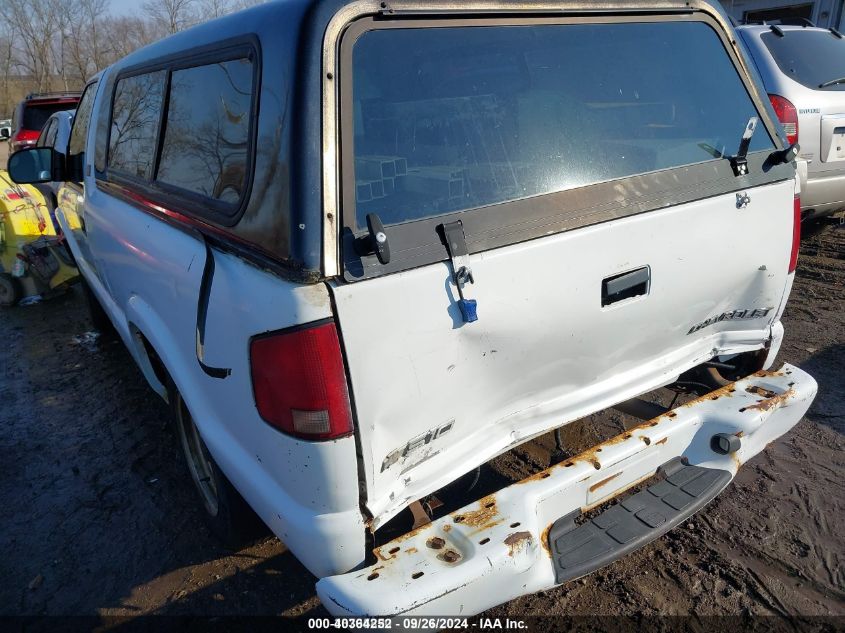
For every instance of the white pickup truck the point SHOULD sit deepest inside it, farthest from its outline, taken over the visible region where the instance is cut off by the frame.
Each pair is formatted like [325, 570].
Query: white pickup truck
[363, 248]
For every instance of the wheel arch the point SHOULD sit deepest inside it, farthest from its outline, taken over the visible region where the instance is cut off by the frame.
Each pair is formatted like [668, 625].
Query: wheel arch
[152, 345]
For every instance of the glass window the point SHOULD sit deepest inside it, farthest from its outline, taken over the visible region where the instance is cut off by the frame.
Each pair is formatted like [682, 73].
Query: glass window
[206, 136]
[79, 132]
[47, 138]
[135, 122]
[36, 115]
[449, 119]
[809, 57]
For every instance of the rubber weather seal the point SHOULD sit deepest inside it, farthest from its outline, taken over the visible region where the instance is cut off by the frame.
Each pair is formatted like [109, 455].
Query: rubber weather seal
[202, 313]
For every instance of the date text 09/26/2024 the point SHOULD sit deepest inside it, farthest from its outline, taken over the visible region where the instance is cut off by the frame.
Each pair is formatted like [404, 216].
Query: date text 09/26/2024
[417, 623]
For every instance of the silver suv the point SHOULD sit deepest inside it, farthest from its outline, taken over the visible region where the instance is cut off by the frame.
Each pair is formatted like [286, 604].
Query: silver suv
[803, 70]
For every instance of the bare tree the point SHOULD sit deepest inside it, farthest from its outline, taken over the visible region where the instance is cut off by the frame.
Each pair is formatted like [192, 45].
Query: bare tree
[34, 23]
[47, 44]
[126, 34]
[210, 9]
[171, 15]
[6, 61]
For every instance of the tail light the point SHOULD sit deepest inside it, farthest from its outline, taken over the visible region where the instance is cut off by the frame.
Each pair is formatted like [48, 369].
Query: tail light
[796, 234]
[299, 382]
[787, 115]
[23, 139]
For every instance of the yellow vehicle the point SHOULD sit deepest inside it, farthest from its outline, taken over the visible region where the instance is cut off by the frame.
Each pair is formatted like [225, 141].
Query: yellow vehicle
[33, 258]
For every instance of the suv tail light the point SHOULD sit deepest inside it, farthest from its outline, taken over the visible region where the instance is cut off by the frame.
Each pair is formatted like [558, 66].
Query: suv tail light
[787, 115]
[299, 382]
[23, 139]
[796, 234]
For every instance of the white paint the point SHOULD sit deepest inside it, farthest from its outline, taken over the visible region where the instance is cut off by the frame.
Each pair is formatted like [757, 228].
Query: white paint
[147, 276]
[543, 351]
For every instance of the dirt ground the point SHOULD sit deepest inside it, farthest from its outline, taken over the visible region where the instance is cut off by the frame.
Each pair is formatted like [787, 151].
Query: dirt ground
[99, 516]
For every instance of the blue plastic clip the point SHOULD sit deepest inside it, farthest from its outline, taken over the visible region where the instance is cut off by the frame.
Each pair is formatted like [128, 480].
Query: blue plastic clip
[469, 309]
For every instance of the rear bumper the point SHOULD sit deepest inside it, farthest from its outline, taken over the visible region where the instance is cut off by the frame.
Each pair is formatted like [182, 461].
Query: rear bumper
[822, 195]
[499, 547]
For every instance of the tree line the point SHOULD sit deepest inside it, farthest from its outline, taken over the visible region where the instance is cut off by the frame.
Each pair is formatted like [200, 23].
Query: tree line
[57, 44]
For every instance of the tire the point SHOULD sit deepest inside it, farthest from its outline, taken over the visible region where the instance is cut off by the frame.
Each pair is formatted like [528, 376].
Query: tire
[10, 290]
[99, 319]
[226, 513]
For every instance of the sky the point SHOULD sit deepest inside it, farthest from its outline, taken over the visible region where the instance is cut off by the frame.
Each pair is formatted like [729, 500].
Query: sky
[125, 7]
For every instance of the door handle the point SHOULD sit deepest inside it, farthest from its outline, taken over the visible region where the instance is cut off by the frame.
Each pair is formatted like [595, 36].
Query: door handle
[625, 285]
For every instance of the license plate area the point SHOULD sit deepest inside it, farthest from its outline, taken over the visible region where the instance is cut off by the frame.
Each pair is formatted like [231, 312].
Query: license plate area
[833, 138]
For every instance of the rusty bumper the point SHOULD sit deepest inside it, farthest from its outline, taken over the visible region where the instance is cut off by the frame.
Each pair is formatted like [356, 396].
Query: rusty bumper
[497, 548]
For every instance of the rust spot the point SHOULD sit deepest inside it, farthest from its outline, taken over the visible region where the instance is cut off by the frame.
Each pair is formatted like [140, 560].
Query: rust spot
[544, 539]
[447, 527]
[411, 550]
[515, 541]
[603, 482]
[482, 518]
[663, 441]
[412, 533]
[435, 542]
[770, 403]
[616, 493]
[739, 434]
[450, 556]
[760, 391]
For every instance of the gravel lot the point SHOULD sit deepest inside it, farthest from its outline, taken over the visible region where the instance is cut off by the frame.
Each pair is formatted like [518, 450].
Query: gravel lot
[99, 515]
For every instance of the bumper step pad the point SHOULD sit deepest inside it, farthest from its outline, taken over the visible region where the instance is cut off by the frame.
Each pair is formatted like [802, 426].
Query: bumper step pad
[626, 526]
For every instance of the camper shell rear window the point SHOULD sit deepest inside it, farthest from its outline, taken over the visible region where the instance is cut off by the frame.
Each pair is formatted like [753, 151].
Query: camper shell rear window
[489, 121]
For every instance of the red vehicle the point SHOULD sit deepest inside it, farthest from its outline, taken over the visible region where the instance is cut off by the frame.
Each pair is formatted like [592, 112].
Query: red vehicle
[32, 113]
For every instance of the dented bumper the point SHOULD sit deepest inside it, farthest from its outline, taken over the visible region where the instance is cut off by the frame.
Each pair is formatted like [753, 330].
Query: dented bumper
[499, 547]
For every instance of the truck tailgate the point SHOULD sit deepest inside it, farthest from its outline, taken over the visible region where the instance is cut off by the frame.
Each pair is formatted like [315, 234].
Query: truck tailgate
[434, 396]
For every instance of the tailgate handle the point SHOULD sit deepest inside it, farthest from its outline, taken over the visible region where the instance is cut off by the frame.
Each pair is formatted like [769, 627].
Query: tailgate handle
[631, 284]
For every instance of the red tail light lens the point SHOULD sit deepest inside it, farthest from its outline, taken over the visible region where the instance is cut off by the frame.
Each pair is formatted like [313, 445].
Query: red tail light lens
[787, 115]
[796, 234]
[300, 384]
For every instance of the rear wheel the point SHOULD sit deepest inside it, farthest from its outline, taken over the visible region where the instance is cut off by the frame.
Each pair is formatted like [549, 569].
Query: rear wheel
[10, 290]
[228, 516]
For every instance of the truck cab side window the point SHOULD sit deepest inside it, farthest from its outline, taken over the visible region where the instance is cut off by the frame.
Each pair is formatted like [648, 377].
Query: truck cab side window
[79, 133]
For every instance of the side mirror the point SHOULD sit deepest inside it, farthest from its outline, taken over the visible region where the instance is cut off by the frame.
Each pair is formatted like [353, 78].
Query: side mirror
[36, 164]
